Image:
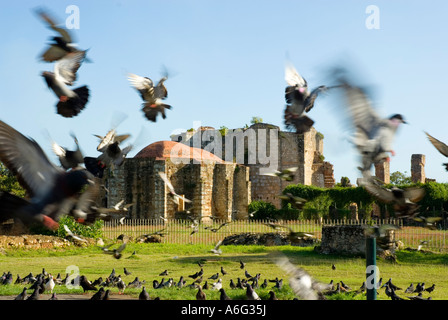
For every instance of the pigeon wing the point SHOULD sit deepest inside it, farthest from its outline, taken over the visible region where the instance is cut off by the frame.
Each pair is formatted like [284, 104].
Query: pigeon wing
[379, 192]
[27, 161]
[414, 194]
[439, 145]
[143, 85]
[51, 23]
[361, 112]
[65, 69]
[167, 182]
[309, 102]
[293, 78]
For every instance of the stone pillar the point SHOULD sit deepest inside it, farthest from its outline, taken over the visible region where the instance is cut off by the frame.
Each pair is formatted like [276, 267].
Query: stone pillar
[382, 171]
[329, 180]
[418, 168]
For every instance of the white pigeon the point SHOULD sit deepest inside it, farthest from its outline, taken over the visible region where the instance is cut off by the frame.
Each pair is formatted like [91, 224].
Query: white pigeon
[303, 285]
[174, 196]
[71, 234]
[217, 285]
[49, 285]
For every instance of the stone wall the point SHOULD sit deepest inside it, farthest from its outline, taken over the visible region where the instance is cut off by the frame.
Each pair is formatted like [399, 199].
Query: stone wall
[304, 151]
[345, 239]
[215, 189]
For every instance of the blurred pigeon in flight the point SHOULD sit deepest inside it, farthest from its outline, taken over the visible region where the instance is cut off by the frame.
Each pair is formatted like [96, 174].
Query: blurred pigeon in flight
[404, 201]
[303, 285]
[68, 158]
[440, 146]
[373, 135]
[111, 152]
[174, 196]
[299, 100]
[49, 187]
[285, 174]
[152, 96]
[71, 102]
[61, 45]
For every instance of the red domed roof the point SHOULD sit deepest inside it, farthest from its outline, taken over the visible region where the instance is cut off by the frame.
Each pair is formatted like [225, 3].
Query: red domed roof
[162, 150]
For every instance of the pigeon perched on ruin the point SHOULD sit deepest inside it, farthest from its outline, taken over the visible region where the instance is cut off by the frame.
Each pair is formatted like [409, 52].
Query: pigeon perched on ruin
[303, 285]
[373, 135]
[68, 159]
[71, 102]
[62, 44]
[440, 146]
[50, 189]
[404, 201]
[152, 96]
[299, 101]
[173, 195]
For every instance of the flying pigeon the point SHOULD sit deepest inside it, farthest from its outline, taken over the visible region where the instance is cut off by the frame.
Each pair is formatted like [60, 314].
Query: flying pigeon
[71, 102]
[299, 101]
[440, 146]
[174, 196]
[61, 45]
[303, 285]
[295, 202]
[404, 201]
[216, 250]
[374, 135]
[50, 189]
[68, 159]
[285, 174]
[152, 96]
[72, 235]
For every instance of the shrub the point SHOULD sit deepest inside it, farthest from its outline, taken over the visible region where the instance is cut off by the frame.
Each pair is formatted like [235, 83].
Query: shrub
[87, 231]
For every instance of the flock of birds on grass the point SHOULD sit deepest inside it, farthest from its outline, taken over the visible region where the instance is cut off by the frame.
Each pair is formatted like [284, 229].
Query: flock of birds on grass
[302, 284]
[72, 187]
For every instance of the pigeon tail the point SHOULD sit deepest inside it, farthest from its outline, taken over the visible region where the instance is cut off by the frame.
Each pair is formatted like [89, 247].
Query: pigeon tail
[73, 106]
[302, 124]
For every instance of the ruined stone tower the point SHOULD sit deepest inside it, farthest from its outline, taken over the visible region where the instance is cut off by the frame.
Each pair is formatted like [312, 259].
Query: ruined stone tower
[264, 148]
[418, 168]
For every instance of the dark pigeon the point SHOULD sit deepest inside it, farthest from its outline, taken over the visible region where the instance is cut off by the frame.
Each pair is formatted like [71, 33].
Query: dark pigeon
[49, 187]
[152, 96]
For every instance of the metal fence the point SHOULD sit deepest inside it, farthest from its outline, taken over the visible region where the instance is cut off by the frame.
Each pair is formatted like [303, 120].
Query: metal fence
[181, 231]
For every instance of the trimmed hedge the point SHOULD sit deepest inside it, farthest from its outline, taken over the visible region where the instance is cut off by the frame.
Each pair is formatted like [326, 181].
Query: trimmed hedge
[335, 202]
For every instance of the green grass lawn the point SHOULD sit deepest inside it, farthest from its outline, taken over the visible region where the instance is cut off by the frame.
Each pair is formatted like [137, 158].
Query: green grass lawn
[151, 259]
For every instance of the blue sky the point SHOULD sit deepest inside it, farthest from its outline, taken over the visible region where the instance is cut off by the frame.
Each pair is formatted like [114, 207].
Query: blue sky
[226, 60]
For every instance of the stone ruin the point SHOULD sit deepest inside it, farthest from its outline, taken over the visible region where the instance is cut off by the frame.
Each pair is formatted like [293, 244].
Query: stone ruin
[349, 240]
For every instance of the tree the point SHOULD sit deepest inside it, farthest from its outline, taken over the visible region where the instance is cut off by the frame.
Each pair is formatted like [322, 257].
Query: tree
[9, 183]
[400, 178]
[256, 120]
